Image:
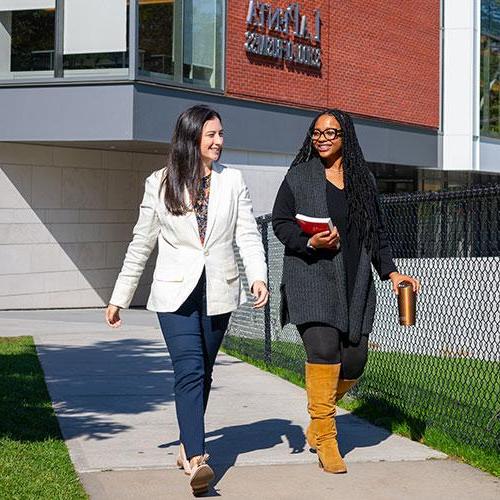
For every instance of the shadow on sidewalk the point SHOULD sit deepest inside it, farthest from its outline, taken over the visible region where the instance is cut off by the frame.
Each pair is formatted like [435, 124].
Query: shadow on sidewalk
[354, 432]
[226, 444]
[90, 383]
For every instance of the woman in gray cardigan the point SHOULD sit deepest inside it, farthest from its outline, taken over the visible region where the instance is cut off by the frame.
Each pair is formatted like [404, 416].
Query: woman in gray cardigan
[327, 288]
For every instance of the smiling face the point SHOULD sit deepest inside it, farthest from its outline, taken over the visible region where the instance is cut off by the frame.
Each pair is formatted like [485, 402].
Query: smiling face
[212, 140]
[325, 140]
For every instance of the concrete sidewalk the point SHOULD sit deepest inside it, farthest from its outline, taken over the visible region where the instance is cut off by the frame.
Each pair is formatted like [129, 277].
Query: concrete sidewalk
[112, 391]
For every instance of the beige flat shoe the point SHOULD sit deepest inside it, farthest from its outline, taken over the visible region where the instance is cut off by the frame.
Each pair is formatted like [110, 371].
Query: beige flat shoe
[201, 476]
[182, 461]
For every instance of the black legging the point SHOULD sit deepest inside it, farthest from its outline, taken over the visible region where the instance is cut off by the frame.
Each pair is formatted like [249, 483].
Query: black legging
[325, 344]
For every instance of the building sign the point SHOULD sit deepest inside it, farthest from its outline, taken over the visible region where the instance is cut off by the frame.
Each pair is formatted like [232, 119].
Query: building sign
[284, 34]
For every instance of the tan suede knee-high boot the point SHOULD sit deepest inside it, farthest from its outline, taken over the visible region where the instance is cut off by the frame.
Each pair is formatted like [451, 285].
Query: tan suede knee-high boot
[321, 385]
[342, 389]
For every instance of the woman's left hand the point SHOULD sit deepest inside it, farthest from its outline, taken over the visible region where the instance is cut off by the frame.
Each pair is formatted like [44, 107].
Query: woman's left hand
[396, 278]
[261, 294]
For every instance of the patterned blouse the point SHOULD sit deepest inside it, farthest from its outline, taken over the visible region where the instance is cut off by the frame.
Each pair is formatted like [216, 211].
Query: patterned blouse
[201, 206]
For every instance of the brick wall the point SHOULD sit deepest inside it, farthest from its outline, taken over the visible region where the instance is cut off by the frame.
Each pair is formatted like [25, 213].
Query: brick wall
[380, 59]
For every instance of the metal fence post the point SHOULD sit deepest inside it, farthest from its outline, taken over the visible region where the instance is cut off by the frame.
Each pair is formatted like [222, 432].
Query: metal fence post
[267, 308]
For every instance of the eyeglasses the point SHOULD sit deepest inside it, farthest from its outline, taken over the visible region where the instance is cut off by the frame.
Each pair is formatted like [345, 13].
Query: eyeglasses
[330, 134]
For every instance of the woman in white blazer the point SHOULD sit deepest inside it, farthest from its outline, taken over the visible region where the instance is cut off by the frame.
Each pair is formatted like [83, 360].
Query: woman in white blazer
[194, 208]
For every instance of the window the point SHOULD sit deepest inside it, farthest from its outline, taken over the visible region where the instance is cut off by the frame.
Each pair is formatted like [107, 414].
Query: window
[27, 39]
[490, 17]
[490, 86]
[178, 41]
[202, 42]
[490, 68]
[156, 37]
[181, 41]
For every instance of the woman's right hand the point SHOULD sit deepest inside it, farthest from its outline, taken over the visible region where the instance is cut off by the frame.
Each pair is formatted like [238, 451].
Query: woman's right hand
[113, 316]
[327, 240]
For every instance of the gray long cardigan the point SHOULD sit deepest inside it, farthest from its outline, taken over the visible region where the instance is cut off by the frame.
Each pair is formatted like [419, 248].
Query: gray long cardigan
[313, 287]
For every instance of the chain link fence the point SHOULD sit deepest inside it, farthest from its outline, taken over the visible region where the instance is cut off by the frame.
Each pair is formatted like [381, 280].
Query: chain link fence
[443, 372]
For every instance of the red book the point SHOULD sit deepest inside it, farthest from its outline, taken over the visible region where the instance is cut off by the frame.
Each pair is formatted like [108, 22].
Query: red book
[314, 225]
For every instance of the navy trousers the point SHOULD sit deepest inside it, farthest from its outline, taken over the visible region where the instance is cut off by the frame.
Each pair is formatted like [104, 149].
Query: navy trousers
[193, 340]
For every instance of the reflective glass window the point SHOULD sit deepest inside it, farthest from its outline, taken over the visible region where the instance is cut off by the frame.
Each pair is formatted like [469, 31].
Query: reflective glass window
[156, 37]
[27, 39]
[490, 68]
[490, 86]
[490, 17]
[485, 15]
[179, 41]
[494, 18]
[202, 45]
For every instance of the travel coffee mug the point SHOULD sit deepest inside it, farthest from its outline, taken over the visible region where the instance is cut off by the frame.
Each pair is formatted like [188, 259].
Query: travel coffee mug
[406, 304]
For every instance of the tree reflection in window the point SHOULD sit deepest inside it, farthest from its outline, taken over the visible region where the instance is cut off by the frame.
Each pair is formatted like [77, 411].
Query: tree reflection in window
[490, 86]
[156, 36]
[33, 40]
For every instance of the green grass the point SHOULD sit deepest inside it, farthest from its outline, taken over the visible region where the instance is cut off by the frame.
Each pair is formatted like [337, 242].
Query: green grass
[34, 460]
[445, 403]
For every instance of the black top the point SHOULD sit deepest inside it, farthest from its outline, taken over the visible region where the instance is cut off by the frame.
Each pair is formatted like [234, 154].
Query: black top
[349, 241]
[284, 211]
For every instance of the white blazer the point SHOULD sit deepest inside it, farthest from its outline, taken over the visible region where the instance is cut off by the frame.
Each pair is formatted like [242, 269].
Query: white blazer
[181, 255]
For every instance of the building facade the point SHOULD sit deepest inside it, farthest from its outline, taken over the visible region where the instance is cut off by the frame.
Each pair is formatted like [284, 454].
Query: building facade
[89, 93]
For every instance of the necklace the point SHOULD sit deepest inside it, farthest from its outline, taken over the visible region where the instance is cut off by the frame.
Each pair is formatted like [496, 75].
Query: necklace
[336, 174]
[337, 170]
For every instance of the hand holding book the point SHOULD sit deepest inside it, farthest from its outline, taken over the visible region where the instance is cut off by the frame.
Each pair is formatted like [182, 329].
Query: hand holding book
[326, 240]
[324, 235]
[314, 225]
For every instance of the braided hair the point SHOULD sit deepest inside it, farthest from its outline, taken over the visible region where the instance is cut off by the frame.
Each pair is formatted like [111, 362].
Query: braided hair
[360, 189]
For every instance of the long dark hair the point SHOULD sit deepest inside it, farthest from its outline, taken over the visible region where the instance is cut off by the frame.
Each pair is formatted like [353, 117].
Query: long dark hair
[183, 169]
[360, 189]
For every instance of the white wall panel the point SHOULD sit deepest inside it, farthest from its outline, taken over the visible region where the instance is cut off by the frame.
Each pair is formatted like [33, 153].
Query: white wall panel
[457, 13]
[490, 156]
[459, 79]
[447, 274]
[55, 256]
[94, 26]
[27, 4]
[458, 64]
[263, 174]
